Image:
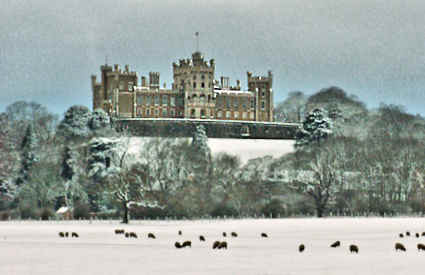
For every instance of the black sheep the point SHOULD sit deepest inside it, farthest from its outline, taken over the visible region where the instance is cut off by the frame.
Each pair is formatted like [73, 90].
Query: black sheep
[222, 245]
[151, 235]
[74, 234]
[336, 244]
[417, 235]
[180, 232]
[178, 245]
[187, 243]
[301, 247]
[234, 234]
[354, 248]
[264, 235]
[61, 234]
[401, 235]
[202, 238]
[421, 247]
[400, 246]
[216, 244]
[133, 235]
[224, 234]
[407, 233]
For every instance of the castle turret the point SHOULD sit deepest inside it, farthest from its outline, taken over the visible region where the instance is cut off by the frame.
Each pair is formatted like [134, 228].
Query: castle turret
[261, 86]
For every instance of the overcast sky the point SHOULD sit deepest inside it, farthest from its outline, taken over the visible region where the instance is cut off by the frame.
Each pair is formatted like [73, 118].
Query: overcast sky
[374, 49]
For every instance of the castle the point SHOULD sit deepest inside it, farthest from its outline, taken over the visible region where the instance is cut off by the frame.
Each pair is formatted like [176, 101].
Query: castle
[194, 94]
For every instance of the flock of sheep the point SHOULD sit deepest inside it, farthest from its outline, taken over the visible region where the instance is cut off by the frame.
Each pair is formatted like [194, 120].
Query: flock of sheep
[223, 244]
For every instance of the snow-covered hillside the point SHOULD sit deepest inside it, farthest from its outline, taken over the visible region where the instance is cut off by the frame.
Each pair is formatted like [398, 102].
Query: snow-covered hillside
[244, 148]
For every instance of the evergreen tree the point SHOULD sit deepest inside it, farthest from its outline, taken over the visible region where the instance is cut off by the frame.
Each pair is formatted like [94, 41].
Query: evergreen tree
[29, 157]
[316, 127]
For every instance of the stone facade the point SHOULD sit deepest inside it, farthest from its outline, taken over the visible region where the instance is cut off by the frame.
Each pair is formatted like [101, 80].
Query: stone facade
[195, 94]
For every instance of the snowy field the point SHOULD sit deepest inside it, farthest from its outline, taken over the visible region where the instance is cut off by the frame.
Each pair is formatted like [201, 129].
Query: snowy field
[35, 247]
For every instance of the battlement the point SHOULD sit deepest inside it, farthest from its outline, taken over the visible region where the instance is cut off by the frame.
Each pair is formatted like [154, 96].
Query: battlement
[196, 61]
[267, 78]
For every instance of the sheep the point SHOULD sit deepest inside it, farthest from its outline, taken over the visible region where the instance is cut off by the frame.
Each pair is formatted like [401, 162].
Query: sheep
[417, 235]
[61, 234]
[127, 235]
[234, 234]
[301, 248]
[421, 247]
[151, 235]
[407, 233]
[336, 244]
[178, 245]
[224, 234]
[222, 245]
[400, 246]
[202, 238]
[187, 243]
[354, 248]
[401, 235]
[67, 234]
[180, 232]
[133, 235]
[74, 234]
[423, 234]
[264, 235]
[119, 231]
[216, 244]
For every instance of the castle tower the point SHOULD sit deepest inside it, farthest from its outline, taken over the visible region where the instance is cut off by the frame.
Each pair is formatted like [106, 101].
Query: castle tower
[194, 80]
[261, 86]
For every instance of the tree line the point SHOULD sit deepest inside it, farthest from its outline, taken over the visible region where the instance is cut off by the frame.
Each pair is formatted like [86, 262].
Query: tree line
[348, 160]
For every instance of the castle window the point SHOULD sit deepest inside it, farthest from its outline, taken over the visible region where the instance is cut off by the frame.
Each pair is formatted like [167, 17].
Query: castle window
[236, 114]
[227, 114]
[252, 103]
[139, 99]
[173, 113]
[235, 102]
[219, 114]
[164, 112]
[192, 113]
[202, 113]
[194, 85]
[172, 101]
[156, 112]
[202, 77]
[130, 86]
[228, 103]
[244, 116]
[148, 112]
[194, 77]
[244, 100]
[164, 100]
[251, 115]
[262, 105]
[157, 100]
[121, 85]
[263, 94]
[202, 85]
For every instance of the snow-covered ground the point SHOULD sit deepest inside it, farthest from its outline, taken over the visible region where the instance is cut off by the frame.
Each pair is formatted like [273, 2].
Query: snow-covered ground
[35, 247]
[244, 148]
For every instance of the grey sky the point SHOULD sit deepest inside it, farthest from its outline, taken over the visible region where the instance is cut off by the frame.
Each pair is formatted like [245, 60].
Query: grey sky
[374, 49]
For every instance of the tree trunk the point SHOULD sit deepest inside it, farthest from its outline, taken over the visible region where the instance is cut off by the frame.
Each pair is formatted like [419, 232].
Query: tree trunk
[319, 210]
[125, 218]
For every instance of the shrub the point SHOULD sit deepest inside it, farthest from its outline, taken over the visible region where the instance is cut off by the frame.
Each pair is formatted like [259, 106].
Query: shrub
[46, 213]
[273, 209]
[224, 210]
[81, 211]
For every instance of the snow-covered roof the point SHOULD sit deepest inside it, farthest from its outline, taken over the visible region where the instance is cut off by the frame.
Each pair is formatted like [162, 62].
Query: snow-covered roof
[62, 210]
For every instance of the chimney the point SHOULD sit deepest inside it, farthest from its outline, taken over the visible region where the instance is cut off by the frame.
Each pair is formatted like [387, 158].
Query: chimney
[143, 81]
[238, 83]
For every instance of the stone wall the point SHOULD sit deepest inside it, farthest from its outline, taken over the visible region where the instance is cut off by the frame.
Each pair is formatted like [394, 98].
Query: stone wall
[214, 128]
